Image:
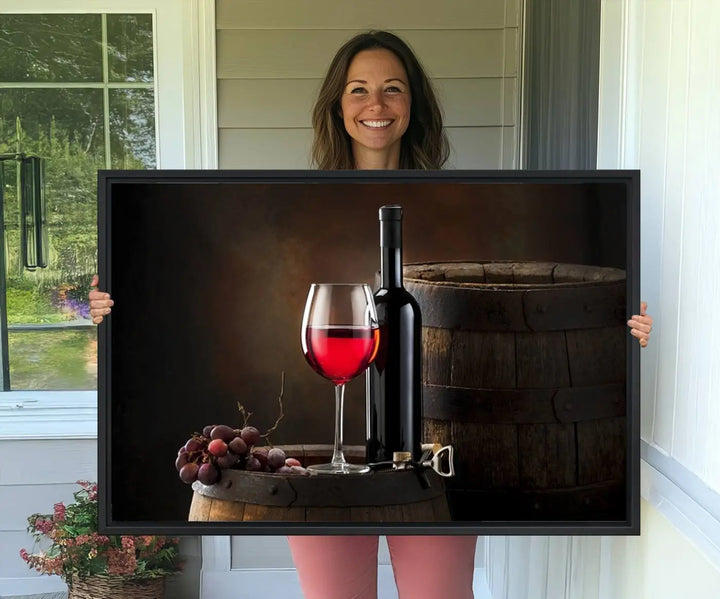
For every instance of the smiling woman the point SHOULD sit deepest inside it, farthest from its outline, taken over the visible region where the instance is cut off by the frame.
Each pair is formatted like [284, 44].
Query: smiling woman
[375, 78]
[375, 108]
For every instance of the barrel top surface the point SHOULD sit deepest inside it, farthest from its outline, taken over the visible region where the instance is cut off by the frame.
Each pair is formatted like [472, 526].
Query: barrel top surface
[510, 275]
[517, 296]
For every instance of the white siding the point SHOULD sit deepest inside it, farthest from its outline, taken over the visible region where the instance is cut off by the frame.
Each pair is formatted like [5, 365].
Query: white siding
[271, 60]
[34, 475]
[660, 93]
[672, 133]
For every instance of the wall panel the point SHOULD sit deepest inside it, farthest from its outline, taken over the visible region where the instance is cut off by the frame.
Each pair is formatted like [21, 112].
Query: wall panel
[271, 59]
[400, 14]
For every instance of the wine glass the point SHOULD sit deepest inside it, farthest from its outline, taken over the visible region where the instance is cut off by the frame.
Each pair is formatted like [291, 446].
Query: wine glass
[340, 338]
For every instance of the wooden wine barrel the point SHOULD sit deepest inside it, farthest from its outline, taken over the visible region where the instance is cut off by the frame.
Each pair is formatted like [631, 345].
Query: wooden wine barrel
[385, 496]
[524, 373]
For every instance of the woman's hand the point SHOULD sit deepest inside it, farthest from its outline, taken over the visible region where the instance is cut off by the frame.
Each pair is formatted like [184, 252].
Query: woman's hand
[100, 302]
[641, 325]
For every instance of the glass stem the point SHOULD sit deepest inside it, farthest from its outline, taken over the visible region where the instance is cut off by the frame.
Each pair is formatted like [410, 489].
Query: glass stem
[338, 456]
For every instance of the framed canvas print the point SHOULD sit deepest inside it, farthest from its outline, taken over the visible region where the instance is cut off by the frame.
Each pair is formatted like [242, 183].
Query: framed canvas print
[524, 279]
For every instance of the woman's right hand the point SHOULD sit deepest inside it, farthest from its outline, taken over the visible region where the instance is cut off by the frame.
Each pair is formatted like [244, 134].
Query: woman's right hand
[100, 302]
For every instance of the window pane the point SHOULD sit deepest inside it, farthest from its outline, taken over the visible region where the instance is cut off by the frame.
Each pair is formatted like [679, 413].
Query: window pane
[38, 48]
[130, 48]
[132, 128]
[51, 344]
[64, 126]
[53, 359]
[52, 116]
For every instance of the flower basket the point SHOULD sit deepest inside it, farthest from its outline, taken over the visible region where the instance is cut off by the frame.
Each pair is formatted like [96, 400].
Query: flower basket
[116, 587]
[96, 566]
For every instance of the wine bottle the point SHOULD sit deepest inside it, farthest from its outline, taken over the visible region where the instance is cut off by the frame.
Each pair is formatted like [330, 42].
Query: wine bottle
[394, 379]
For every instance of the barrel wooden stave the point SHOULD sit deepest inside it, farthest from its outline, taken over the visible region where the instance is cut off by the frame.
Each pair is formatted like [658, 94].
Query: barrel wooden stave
[524, 372]
[382, 497]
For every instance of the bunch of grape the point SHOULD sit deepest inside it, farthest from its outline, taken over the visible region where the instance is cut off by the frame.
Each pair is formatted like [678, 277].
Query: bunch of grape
[221, 447]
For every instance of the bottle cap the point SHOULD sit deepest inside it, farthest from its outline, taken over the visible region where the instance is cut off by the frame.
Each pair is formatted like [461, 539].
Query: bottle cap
[391, 226]
[391, 212]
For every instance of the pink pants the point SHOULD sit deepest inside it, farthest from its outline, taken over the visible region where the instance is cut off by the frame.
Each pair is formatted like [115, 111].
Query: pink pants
[345, 567]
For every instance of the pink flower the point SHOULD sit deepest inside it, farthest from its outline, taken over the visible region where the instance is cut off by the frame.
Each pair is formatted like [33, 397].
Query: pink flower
[53, 565]
[44, 526]
[59, 512]
[121, 561]
[128, 543]
[77, 551]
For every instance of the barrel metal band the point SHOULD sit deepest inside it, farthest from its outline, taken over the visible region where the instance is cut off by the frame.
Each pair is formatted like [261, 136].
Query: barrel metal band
[349, 490]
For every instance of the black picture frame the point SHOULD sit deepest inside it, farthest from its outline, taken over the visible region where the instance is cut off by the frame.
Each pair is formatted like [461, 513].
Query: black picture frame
[178, 250]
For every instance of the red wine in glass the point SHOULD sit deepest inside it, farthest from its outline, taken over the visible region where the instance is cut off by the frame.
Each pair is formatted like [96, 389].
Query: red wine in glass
[340, 353]
[339, 340]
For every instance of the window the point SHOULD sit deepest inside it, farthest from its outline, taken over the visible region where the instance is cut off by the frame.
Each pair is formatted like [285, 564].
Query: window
[186, 137]
[78, 91]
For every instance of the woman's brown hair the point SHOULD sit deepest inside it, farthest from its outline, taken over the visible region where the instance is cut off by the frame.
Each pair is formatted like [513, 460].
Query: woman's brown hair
[424, 144]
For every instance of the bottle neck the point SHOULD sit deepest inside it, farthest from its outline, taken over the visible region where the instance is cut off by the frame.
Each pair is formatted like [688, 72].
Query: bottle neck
[391, 253]
[391, 268]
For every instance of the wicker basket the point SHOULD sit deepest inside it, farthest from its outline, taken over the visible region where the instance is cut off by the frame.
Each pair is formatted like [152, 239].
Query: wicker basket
[116, 587]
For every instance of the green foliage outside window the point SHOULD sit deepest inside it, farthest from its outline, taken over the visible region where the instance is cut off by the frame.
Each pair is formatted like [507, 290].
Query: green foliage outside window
[66, 124]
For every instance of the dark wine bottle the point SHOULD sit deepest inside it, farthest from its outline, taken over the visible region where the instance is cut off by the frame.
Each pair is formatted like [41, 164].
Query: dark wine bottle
[394, 379]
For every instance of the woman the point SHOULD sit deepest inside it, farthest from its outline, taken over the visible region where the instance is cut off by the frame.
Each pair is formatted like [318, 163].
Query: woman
[377, 110]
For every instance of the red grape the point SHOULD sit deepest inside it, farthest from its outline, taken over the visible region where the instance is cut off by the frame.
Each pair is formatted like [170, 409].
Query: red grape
[253, 464]
[188, 473]
[193, 444]
[250, 435]
[208, 429]
[292, 462]
[284, 470]
[261, 453]
[238, 446]
[217, 447]
[227, 461]
[223, 432]
[276, 458]
[208, 474]
[181, 461]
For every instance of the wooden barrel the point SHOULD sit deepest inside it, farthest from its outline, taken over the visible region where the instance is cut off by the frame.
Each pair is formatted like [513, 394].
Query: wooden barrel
[524, 373]
[386, 496]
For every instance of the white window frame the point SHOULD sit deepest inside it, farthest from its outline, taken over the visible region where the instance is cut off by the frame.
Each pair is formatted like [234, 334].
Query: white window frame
[186, 130]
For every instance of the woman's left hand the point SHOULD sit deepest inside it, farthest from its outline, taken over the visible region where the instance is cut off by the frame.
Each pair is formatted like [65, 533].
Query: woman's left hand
[641, 325]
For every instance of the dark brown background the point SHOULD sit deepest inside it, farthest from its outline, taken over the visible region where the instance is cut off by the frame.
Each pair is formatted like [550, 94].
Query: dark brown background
[210, 280]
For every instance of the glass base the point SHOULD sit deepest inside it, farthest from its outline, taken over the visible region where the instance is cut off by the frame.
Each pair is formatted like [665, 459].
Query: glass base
[341, 468]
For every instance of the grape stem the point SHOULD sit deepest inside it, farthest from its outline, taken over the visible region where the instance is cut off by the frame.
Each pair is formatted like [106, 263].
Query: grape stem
[282, 414]
[246, 414]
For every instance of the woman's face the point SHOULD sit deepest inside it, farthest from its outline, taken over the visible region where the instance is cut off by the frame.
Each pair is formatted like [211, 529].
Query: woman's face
[375, 104]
